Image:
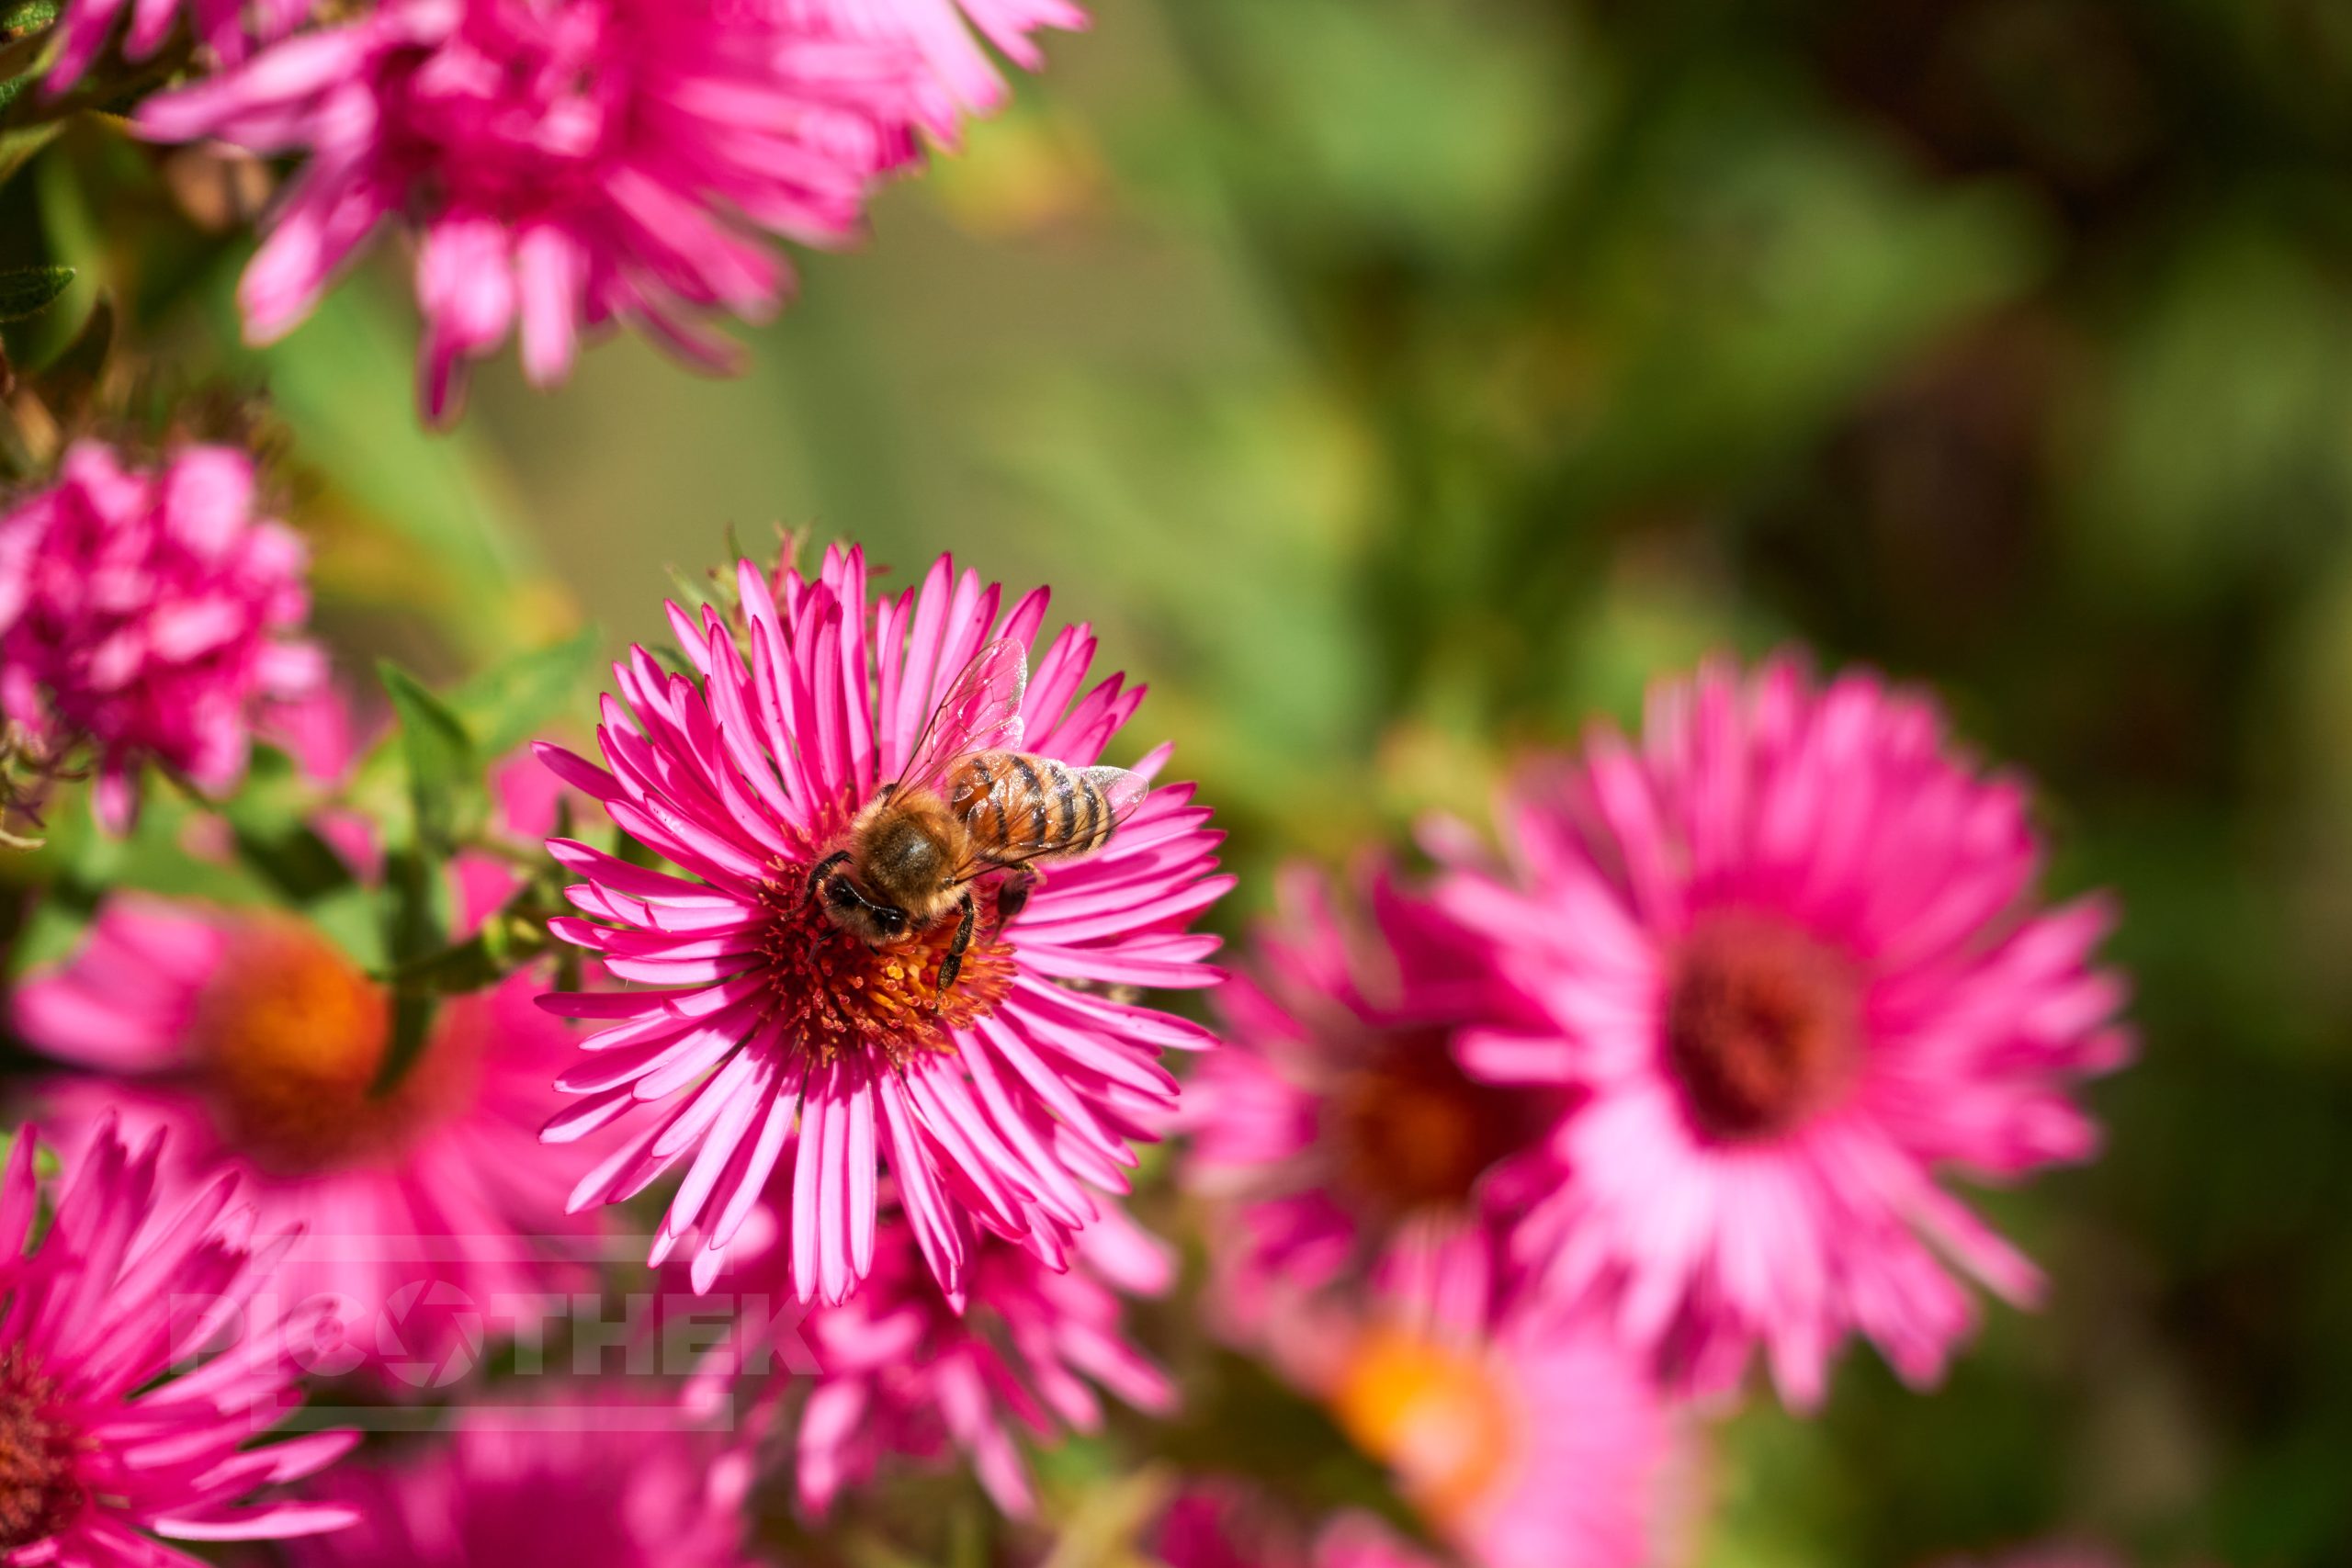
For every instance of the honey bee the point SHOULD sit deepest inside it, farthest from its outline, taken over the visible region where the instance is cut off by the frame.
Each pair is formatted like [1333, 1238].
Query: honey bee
[969, 803]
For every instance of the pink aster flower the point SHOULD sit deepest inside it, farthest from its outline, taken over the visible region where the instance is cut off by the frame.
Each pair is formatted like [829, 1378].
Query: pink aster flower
[1337, 1121]
[1792, 962]
[432, 1216]
[565, 164]
[899, 1371]
[103, 1453]
[150, 615]
[1216, 1525]
[590, 1487]
[990, 1101]
[225, 26]
[958, 74]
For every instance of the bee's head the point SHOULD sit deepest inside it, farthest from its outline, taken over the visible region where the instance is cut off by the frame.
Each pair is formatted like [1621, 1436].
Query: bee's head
[862, 917]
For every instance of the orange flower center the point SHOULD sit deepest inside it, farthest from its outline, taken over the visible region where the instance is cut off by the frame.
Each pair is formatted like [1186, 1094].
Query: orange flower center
[1763, 1026]
[836, 994]
[41, 1491]
[1411, 1131]
[1435, 1414]
[292, 1036]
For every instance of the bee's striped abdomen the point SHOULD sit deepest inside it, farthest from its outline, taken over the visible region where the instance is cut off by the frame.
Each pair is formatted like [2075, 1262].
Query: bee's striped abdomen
[1021, 808]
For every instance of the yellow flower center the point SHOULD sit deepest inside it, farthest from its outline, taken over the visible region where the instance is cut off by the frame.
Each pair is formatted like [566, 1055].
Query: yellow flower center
[291, 1036]
[836, 995]
[1435, 1414]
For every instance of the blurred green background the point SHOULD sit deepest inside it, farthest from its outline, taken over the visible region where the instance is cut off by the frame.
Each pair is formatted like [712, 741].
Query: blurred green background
[1400, 382]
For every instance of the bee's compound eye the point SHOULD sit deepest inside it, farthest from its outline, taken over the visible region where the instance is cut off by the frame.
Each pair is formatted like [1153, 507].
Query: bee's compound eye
[840, 894]
[890, 922]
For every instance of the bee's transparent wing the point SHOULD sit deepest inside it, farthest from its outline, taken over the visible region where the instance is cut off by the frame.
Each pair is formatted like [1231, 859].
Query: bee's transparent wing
[981, 712]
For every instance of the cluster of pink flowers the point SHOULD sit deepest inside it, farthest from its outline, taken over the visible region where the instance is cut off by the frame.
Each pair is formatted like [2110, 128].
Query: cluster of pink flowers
[566, 165]
[150, 616]
[1502, 1163]
[1572, 1133]
[937, 1170]
[1518, 1167]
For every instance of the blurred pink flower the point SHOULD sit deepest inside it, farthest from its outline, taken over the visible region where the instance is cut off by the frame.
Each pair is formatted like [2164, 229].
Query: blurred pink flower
[103, 1451]
[957, 75]
[596, 1483]
[566, 163]
[1523, 1441]
[1792, 960]
[1216, 1525]
[899, 1371]
[991, 1102]
[150, 615]
[1335, 1118]
[432, 1216]
[225, 26]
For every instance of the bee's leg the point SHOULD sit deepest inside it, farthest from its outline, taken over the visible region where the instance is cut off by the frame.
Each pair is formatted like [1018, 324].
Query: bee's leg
[953, 965]
[1013, 896]
[822, 869]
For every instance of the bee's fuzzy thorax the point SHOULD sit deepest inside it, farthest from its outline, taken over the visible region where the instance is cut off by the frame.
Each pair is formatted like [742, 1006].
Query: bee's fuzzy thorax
[905, 851]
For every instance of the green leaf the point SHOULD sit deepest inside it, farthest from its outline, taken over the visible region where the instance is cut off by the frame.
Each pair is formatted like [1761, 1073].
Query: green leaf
[18, 147]
[445, 800]
[353, 918]
[412, 1013]
[292, 859]
[28, 290]
[512, 702]
[28, 15]
[510, 939]
[270, 818]
[499, 710]
[443, 768]
[418, 925]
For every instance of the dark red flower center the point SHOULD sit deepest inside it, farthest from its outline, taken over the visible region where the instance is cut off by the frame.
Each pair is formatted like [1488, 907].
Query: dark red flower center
[292, 1037]
[1763, 1025]
[41, 1486]
[837, 994]
[1411, 1131]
